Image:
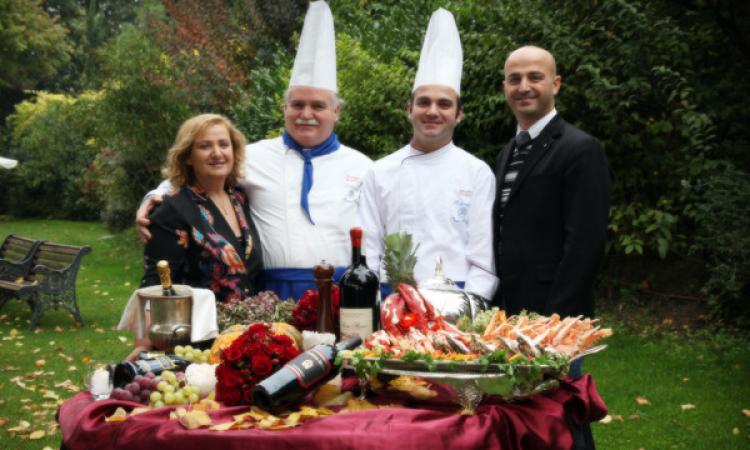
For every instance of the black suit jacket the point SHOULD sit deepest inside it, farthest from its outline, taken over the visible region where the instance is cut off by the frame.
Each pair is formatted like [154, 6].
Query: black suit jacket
[554, 224]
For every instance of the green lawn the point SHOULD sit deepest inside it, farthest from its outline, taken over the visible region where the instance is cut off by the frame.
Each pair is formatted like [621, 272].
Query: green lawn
[710, 372]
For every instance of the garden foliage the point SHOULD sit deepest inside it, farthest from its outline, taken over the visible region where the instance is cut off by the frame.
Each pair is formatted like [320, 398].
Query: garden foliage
[635, 75]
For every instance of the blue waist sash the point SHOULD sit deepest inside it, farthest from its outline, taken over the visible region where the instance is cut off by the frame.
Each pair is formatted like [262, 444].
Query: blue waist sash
[294, 282]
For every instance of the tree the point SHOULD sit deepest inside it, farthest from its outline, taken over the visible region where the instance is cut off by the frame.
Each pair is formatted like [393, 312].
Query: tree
[33, 44]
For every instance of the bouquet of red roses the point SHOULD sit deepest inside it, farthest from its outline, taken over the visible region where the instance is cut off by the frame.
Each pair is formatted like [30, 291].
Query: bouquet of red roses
[305, 313]
[251, 358]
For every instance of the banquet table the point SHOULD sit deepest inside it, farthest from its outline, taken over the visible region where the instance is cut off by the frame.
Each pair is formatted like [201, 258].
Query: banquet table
[540, 422]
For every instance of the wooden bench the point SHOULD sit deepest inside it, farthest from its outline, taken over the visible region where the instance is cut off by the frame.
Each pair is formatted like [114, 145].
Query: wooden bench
[50, 281]
[16, 256]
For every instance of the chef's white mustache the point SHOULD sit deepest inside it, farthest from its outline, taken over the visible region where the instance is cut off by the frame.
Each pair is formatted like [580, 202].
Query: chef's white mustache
[301, 121]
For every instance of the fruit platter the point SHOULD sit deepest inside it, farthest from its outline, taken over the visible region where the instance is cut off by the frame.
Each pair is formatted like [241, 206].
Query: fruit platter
[491, 353]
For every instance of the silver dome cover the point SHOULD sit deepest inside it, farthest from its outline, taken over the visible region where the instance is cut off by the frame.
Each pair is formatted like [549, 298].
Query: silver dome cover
[447, 298]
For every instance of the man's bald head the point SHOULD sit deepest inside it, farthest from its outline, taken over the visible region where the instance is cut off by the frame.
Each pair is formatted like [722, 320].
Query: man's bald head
[531, 83]
[532, 51]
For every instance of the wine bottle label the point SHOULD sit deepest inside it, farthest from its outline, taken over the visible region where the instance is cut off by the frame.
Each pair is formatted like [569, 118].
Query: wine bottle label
[310, 367]
[355, 322]
[158, 364]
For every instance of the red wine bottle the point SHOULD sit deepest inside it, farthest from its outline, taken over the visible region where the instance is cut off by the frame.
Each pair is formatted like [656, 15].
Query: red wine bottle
[360, 295]
[300, 376]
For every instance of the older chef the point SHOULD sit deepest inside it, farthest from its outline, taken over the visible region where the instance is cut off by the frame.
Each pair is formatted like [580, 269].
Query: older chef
[303, 186]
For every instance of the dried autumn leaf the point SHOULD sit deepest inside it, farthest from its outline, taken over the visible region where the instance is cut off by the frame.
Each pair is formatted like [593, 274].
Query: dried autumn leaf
[195, 419]
[223, 426]
[3, 421]
[416, 387]
[120, 415]
[52, 395]
[642, 401]
[139, 410]
[746, 412]
[294, 419]
[67, 384]
[59, 329]
[375, 383]
[331, 395]
[207, 404]
[272, 423]
[40, 363]
[85, 359]
[38, 434]
[22, 427]
[687, 406]
[122, 339]
[256, 413]
[634, 417]
[355, 404]
[177, 413]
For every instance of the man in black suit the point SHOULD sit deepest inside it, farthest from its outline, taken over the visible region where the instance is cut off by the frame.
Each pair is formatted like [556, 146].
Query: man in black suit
[552, 204]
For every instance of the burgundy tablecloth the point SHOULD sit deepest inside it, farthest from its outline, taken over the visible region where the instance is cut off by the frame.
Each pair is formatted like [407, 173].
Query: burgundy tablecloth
[537, 423]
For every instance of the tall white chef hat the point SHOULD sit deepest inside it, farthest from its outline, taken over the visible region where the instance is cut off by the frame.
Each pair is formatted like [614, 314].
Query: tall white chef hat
[441, 60]
[315, 63]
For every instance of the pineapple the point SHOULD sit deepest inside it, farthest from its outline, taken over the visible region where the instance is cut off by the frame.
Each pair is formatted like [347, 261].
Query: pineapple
[400, 259]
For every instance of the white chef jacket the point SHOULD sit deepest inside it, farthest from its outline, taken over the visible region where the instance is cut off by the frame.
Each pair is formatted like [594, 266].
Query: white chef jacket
[444, 200]
[273, 179]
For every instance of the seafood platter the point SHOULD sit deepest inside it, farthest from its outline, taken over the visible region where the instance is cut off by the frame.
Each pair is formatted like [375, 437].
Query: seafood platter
[477, 353]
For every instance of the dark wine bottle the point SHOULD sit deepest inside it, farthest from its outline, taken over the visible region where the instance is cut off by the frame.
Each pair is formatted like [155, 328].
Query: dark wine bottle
[165, 278]
[127, 370]
[360, 295]
[300, 376]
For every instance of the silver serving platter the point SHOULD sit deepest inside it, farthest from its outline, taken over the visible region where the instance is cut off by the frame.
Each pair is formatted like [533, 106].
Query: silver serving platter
[470, 382]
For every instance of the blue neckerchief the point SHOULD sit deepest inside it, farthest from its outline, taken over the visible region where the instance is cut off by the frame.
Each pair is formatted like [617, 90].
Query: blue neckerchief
[330, 145]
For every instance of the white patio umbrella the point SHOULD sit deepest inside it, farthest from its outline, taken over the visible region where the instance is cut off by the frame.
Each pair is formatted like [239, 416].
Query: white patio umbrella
[7, 163]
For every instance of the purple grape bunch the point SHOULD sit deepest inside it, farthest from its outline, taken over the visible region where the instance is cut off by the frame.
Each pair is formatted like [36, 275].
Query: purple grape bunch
[139, 390]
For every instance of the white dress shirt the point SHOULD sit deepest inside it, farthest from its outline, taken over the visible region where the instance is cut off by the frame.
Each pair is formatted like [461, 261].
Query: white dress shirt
[444, 200]
[273, 179]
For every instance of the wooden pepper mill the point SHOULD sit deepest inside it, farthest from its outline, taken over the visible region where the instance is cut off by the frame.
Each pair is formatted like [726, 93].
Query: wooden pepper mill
[325, 322]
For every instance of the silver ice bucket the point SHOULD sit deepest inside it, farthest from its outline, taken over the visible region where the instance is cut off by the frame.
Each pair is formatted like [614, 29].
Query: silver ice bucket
[171, 316]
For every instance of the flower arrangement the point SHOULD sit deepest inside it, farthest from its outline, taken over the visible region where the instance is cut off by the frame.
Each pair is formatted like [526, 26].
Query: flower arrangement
[252, 357]
[264, 307]
[305, 313]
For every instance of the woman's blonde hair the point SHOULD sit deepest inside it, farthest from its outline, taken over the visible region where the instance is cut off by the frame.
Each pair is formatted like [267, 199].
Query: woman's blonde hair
[176, 168]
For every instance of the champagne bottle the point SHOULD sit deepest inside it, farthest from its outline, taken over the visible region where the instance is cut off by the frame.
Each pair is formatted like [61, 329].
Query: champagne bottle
[298, 377]
[166, 280]
[126, 370]
[360, 295]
